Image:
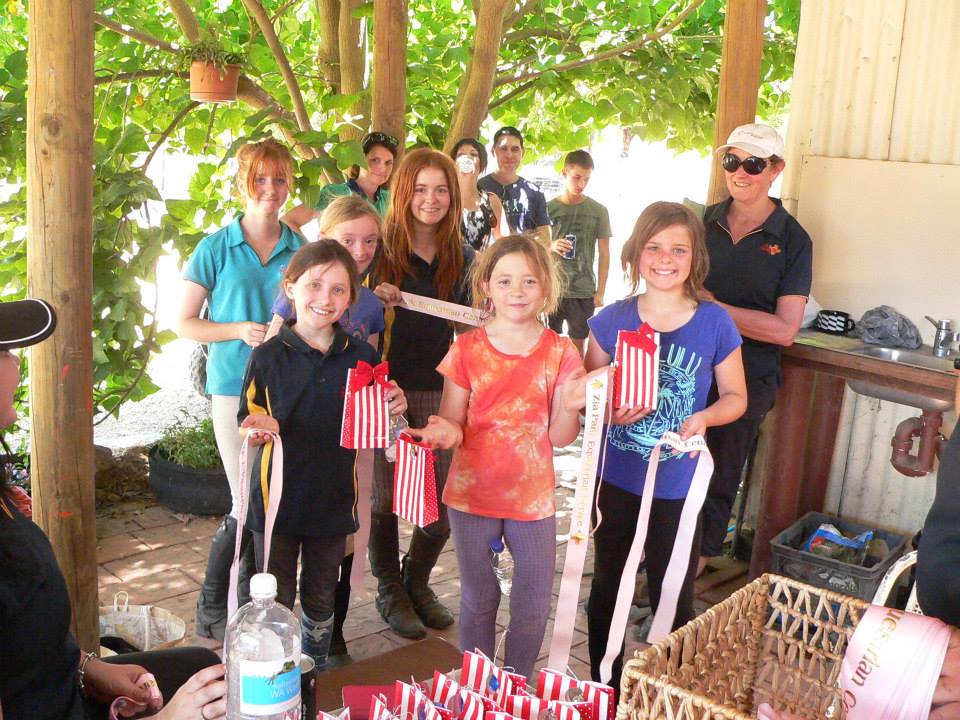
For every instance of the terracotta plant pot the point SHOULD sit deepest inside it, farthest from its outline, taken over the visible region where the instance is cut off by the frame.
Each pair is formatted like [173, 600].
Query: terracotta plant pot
[209, 83]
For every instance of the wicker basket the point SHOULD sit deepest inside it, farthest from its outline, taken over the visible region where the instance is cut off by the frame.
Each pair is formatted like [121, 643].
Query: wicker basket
[775, 640]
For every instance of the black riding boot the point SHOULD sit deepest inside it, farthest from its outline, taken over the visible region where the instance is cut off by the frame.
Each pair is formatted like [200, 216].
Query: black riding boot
[417, 565]
[392, 599]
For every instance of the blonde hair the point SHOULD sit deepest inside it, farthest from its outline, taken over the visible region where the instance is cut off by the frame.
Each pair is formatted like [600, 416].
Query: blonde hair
[346, 209]
[540, 259]
[655, 218]
[254, 158]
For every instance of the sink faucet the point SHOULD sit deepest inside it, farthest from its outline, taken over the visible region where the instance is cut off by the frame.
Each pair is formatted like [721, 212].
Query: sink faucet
[944, 338]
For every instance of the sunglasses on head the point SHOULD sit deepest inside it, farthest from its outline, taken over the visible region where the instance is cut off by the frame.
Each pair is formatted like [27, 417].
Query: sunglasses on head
[751, 165]
[507, 130]
[379, 138]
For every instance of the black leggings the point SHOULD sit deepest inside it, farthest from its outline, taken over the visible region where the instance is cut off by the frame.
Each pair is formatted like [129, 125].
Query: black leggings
[613, 539]
[171, 668]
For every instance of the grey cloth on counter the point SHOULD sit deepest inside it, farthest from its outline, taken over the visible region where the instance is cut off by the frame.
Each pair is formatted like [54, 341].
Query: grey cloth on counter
[885, 326]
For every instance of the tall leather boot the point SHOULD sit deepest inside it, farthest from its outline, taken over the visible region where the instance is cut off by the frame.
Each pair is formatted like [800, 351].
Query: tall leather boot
[392, 600]
[316, 638]
[341, 603]
[211, 617]
[417, 565]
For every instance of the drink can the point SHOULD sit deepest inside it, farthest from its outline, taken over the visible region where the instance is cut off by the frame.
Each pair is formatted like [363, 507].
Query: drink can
[572, 252]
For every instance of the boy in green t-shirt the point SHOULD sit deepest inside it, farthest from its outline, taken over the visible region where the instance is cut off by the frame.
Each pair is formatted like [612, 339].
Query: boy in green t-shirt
[581, 228]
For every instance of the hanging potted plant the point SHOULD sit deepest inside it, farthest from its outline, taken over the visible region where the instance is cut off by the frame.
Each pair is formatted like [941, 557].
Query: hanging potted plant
[186, 474]
[214, 72]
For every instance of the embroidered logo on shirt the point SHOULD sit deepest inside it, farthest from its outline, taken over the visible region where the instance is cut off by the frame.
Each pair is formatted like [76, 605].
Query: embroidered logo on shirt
[771, 249]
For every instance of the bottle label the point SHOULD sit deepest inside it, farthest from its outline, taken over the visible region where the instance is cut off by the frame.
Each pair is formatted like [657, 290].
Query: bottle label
[269, 686]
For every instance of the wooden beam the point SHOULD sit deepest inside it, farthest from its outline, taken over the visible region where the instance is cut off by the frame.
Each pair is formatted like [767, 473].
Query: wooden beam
[390, 68]
[739, 79]
[60, 270]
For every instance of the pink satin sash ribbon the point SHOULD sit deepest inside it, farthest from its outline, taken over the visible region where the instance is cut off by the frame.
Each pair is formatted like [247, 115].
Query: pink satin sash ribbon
[892, 665]
[679, 557]
[273, 504]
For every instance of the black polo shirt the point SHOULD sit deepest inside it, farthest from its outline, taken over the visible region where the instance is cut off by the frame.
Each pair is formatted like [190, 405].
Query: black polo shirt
[773, 260]
[414, 343]
[303, 389]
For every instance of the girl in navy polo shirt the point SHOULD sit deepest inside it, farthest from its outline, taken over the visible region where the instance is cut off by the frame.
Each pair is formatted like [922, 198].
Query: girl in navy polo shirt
[294, 385]
[698, 342]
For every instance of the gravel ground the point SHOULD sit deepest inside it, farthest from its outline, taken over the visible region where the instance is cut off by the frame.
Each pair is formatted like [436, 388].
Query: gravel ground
[142, 423]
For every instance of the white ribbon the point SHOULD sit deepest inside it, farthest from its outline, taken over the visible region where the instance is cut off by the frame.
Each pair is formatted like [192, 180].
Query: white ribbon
[443, 309]
[273, 504]
[579, 524]
[679, 557]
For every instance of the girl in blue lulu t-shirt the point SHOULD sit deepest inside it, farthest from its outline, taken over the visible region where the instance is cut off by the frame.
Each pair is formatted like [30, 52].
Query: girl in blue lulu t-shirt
[698, 342]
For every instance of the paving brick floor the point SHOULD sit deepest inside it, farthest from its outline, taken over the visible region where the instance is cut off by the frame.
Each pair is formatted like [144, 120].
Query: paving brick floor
[159, 557]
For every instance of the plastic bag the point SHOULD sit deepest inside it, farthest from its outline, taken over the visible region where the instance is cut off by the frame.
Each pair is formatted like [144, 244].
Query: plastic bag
[828, 541]
[145, 627]
[885, 326]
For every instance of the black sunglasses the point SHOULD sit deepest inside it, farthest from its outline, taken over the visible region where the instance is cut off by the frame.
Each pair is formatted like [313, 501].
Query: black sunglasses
[751, 165]
[507, 130]
[379, 138]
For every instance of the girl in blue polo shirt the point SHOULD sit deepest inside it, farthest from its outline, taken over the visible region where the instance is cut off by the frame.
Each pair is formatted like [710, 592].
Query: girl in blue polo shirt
[698, 342]
[236, 272]
[295, 385]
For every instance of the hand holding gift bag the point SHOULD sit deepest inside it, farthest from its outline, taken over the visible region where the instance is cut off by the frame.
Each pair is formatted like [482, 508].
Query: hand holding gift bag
[366, 412]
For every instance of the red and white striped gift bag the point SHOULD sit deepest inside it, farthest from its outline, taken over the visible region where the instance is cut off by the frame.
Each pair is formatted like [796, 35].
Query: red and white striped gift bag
[568, 710]
[637, 373]
[501, 684]
[414, 484]
[476, 668]
[366, 412]
[525, 707]
[379, 710]
[553, 685]
[408, 699]
[475, 705]
[601, 697]
[443, 690]
[498, 715]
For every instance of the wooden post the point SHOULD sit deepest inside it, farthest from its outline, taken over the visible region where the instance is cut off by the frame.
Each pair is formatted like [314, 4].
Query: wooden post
[739, 79]
[390, 68]
[60, 270]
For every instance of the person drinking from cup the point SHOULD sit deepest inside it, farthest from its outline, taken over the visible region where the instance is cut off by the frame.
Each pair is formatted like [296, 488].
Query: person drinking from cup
[482, 210]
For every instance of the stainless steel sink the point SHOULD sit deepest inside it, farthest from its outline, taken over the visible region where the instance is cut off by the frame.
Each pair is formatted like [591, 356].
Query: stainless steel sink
[916, 358]
[920, 358]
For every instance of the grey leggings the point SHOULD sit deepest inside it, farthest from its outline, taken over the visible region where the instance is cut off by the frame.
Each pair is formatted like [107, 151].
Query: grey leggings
[533, 545]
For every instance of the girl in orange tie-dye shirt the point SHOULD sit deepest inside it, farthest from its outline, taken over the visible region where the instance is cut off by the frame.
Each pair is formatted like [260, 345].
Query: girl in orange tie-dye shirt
[512, 391]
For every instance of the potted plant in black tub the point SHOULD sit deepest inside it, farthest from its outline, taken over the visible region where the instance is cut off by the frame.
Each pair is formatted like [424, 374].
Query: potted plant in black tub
[186, 474]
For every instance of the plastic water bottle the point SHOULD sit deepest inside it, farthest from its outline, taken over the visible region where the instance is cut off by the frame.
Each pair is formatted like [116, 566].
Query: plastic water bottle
[502, 562]
[398, 424]
[262, 654]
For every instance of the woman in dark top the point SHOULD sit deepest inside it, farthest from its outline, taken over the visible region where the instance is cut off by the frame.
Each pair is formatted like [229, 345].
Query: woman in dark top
[44, 674]
[424, 255]
[761, 263]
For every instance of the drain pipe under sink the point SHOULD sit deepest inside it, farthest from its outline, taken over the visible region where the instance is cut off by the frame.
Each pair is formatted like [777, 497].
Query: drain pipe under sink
[927, 428]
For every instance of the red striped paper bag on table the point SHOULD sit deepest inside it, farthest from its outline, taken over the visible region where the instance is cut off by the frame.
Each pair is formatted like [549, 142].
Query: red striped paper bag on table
[601, 697]
[408, 699]
[524, 707]
[501, 684]
[366, 413]
[637, 373]
[553, 684]
[568, 710]
[379, 710]
[415, 485]
[443, 690]
[498, 715]
[475, 705]
[476, 668]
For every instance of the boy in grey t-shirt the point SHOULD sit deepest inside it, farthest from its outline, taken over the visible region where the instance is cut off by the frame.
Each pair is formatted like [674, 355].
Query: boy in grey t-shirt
[581, 231]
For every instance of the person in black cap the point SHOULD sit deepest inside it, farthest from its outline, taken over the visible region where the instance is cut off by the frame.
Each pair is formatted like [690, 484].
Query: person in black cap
[368, 181]
[43, 672]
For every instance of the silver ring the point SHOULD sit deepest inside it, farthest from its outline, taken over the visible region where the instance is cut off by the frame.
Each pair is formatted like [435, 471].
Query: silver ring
[202, 716]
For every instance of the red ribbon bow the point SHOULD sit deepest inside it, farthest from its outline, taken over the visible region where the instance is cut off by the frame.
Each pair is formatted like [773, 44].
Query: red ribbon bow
[365, 373]
[642, 338]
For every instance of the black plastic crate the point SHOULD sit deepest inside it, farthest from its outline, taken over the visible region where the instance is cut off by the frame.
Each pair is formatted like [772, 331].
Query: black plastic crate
[855, 580]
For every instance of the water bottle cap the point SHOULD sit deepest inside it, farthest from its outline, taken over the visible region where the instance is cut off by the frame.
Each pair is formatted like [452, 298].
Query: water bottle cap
[263, 585]
[496, 545]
